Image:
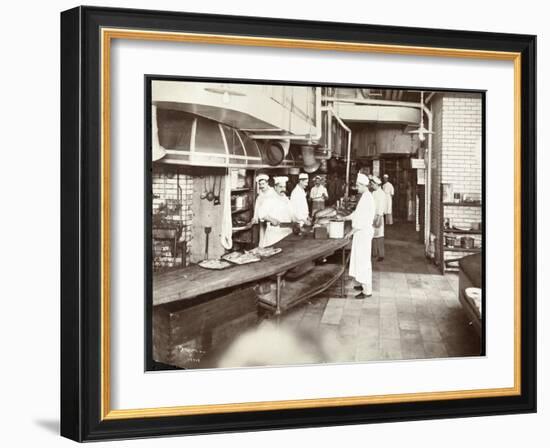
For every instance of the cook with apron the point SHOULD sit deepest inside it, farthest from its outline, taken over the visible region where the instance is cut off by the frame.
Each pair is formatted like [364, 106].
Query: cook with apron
[318, 195]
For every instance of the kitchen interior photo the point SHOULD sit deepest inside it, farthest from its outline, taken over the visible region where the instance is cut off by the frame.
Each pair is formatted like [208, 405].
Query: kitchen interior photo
[230, 288]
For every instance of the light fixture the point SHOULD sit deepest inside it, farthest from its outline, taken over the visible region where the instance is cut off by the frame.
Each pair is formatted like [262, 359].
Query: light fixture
[421, 131]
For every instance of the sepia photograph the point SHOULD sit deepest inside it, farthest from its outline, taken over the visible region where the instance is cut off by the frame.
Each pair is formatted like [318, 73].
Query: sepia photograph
[292, 224]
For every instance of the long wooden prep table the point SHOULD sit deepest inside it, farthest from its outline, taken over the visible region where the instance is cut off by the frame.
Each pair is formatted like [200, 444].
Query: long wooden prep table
[193, 281]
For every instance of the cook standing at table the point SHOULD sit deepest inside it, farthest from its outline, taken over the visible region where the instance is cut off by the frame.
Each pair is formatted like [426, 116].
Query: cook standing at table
[318, 195]
[360, 266]
[379, 209]
[390, 191]
[278, 212]
[261, 207]
[298, 200]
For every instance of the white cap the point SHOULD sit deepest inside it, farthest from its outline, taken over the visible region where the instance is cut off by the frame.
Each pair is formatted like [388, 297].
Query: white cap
[362, 179]
[376, 180]
[280, 180]
[385, 175]
[303, 176]
[260, 177]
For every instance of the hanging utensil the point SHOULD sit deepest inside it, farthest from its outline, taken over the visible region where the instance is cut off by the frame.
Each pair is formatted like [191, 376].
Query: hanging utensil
[210, 193]
[205, 191]
[217, 196]
[207, 231]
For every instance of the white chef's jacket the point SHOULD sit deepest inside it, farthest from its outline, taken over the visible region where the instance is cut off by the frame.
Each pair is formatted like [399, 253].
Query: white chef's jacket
[379, 209]
[360, 266]
[260, 210]
[390, 191]
[299, 205]
[276, 206]
[318, 192]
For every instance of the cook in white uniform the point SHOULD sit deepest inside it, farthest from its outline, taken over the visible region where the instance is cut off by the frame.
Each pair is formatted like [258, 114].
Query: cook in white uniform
[360, 266]
[277, 211]
[390, 191]
[298, 200]
[261, 206]
[318, 195]
[379, 208]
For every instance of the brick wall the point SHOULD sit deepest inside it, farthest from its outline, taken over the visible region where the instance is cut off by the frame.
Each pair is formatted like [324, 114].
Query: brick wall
[457, 151]
[172, 215]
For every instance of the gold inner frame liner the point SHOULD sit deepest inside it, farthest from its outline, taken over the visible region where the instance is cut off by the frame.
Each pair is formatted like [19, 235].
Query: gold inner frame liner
[107, 35]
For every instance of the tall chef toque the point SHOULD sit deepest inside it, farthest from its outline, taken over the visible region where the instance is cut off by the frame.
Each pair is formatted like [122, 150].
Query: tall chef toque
[280, 180]
[260, 177]
[362, 179]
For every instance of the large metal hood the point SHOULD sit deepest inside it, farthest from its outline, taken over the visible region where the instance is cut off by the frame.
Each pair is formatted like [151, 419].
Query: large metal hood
[378, 113]
[188, 139]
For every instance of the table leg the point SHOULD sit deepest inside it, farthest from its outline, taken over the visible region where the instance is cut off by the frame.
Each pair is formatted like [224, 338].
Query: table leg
[278, 297]
[343, 276]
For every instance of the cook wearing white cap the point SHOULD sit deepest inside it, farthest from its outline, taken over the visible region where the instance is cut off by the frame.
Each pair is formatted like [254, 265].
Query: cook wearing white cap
[280, 180]
[379, 209]
[360, 266]
[261, 177]
[261, 207]
[318, 195]
[277, 211]
[298, 200]
[390, 191]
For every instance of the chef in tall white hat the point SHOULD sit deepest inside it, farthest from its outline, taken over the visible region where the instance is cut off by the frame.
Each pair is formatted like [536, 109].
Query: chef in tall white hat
[298, 200]
[264, 191]
[387, 187]
[379, 209]
[261, 206]
[318, 194]
[278, 214]
[360, 266]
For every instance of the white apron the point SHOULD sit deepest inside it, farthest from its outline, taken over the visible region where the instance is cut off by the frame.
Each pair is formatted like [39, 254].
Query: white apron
[273, 234]
[379, 209]
[388, 189]
[298, 201]
[279, 208]
[360, 266]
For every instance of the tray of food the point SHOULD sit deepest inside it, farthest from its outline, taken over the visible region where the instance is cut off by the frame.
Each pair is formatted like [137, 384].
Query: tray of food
[241, 258]
[214, 264]
[265, 252]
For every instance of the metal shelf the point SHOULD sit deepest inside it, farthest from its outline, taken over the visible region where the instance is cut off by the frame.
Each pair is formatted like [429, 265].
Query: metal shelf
[463, 204]
[464, 232]
[461, 249]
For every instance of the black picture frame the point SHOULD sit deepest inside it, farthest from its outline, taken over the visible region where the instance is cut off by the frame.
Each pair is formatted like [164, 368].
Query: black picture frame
[83, 407]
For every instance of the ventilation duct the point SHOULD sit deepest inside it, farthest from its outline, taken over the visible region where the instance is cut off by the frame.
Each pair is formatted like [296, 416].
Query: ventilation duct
[193, 140]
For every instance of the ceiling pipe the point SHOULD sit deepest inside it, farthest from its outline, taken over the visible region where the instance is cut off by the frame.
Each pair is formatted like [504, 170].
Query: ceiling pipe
[428, 186]
[310, 137]
[329, 131]
[415, 105]
[429, 97]
[348, 157]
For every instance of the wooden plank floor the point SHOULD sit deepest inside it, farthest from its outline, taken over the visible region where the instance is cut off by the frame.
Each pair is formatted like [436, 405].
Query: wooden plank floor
[414, 313]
